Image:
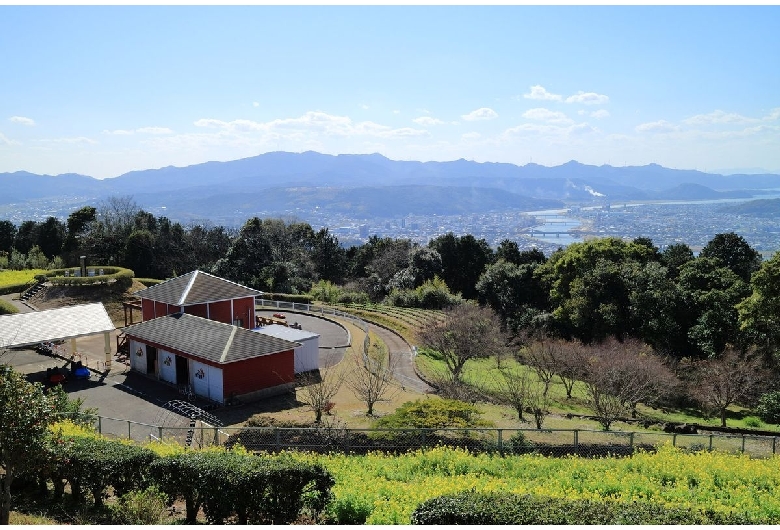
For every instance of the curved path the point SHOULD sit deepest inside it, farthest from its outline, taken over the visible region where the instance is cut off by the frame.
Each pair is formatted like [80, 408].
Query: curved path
[400, 350]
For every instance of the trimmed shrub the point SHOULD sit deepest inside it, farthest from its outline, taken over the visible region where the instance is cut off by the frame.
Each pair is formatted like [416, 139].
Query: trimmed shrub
[94, 464]
[253, 489]
[282, 297]
[505, 509]
[122, 277]
[148, 282]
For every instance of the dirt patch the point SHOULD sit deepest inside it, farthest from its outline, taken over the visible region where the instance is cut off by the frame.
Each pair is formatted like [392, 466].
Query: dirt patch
[53, 297]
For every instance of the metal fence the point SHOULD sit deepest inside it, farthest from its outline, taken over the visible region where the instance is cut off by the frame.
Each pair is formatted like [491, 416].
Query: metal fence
[314, 309]
[550, 442]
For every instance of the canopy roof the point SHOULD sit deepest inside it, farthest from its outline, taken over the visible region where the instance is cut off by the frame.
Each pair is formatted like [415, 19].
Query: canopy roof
[26, 329]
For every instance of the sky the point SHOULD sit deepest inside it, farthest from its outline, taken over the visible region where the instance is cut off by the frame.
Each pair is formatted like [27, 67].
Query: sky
[103, 90]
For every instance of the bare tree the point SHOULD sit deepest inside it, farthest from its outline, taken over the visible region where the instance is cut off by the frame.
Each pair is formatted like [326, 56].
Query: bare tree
[544, 358]
[371, 377]
[318, 388]
[572, 365]
[467, 332]
[622, 374]
[727, 380]
[539, 403]
[514, 387]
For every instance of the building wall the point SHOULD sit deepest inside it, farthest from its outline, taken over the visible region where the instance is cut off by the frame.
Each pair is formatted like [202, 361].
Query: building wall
[147, 310]
[221, 311]
[307, 355]
[199, 310]
[244, 308]
[251, 375]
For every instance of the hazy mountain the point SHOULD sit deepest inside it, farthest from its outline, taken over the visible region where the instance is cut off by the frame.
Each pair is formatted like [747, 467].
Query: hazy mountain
[281, 181]
[758, 208]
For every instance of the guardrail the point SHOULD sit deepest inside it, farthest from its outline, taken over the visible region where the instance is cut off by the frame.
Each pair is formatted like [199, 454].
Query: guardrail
[325, 439]
[317, 310]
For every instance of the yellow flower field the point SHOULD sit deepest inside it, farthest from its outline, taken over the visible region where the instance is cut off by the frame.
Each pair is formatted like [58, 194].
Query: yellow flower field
[388, 488]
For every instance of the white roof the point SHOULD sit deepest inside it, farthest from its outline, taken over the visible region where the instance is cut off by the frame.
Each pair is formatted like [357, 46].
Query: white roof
[64, 323]
[283, 332]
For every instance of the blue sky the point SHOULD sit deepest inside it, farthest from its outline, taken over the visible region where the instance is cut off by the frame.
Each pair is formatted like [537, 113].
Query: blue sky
[106, 90]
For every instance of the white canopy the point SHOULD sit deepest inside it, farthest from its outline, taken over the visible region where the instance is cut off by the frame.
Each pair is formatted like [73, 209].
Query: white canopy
[65, 323]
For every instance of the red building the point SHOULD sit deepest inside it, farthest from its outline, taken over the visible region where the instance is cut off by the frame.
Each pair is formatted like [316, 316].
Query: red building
[196, 332]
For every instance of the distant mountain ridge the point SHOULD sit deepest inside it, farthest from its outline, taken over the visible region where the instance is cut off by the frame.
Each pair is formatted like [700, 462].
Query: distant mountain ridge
[378, 186]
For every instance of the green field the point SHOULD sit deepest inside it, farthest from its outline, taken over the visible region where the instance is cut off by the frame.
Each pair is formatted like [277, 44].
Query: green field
[10, 278]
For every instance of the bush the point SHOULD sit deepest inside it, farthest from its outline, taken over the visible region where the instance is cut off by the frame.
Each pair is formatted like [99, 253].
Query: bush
[283, 297]
[253, 489]
[768, 408]
[140, 507]
[505, 509]
[95, 464]
[148, 282]
[325, 291]
[353, 297]
[432, 414]
[433, 294]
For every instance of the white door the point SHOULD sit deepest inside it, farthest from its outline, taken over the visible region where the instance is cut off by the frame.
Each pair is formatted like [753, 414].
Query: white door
[167, 363]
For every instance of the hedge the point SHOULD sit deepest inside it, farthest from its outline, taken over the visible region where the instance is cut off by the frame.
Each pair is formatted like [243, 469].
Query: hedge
[122, 276]
[254, 489]
[148, 282]
[282, 297]
[504, 509]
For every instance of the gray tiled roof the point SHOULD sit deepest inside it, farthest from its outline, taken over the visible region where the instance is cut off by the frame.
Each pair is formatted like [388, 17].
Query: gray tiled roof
[207, 339]
[196, 287]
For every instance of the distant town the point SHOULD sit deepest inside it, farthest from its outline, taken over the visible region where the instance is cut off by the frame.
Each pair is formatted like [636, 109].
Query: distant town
[693, 223]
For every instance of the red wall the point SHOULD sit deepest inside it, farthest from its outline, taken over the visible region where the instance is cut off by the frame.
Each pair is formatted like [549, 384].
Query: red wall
[220, 311]
[255, 374]
[244, 308]
[147, 310]
[199, 310]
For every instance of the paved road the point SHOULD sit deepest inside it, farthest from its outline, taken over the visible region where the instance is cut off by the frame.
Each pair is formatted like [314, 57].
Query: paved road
[404, 370]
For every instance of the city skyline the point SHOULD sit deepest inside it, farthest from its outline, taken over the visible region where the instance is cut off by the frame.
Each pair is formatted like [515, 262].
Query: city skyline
[103, 90]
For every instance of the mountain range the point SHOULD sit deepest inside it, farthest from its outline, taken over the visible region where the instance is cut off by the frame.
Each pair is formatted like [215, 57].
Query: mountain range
[366, 186]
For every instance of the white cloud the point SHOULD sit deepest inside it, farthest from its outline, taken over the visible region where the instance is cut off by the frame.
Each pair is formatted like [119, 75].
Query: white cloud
[364, 106]
[140, 130]
[539, 92]
[773, 115]
[21, 120]
[542, 114]
[480, 114]
[313, 122]
[588, 98]
[154, 130]
[427, 120]
[660, 126]
[4, 140]
[396, 112]
[600, 114]
[255, 104]
[548, 130]
[471, 136]
[73, 140]
[717, 117]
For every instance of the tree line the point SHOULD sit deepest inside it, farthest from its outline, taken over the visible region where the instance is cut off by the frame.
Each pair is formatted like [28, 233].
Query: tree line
[683, 305]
